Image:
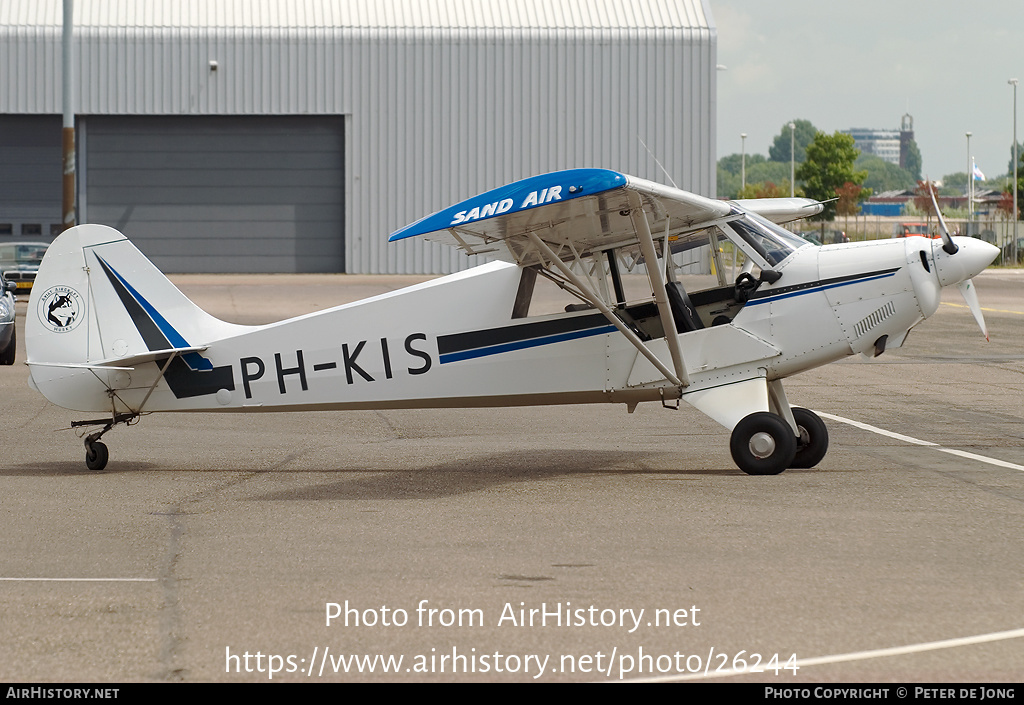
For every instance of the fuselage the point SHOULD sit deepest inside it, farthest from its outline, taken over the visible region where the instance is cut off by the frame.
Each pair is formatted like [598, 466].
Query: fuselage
[454, 342]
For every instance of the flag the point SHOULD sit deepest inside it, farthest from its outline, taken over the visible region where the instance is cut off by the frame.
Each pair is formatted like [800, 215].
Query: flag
[978, 176]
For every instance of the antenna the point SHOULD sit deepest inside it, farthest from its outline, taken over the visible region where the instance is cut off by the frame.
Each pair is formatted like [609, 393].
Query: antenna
[664, 171]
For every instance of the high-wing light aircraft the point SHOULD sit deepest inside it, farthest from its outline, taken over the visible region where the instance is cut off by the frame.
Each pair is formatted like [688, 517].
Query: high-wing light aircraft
[108, 333]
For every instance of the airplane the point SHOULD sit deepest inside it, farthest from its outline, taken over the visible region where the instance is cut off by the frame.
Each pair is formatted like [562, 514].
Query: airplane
[106, 332]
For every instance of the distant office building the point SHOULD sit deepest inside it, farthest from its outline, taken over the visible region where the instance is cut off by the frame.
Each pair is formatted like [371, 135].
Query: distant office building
[884, 144]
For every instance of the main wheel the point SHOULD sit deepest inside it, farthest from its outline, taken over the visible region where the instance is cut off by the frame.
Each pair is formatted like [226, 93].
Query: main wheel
[96, 455]
[812, 444]
[763, 444]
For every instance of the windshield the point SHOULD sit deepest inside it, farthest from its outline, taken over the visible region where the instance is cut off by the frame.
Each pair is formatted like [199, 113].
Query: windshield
[768, 239]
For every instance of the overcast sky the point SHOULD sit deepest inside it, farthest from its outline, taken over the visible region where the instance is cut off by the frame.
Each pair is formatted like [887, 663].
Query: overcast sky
[864, 63]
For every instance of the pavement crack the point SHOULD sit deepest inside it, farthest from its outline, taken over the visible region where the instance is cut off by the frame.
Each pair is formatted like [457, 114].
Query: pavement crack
[172, 637]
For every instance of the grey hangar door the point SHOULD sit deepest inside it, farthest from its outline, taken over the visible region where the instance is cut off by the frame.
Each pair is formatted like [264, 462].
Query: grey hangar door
[219, 193]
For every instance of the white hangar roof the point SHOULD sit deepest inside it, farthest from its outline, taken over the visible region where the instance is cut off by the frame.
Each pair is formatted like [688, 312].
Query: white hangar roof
[368, 14]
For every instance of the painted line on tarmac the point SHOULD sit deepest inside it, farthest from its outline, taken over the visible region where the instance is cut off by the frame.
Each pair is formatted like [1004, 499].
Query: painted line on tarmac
[990, 310]
[916, 441]
[78, 580]
[854, 656]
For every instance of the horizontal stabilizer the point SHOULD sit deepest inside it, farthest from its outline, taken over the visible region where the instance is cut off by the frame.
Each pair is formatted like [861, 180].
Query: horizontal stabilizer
[123, 363]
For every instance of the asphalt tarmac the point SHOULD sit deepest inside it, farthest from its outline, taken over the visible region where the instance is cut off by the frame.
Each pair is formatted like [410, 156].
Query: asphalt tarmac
[522, 544]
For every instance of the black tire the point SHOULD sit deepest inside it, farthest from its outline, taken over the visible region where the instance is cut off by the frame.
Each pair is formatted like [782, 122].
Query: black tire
[7, 356]
[812, 444]
[96, 455]
[762, 444]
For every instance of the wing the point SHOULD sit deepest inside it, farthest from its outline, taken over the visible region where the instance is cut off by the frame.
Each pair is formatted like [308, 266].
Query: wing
[781, 210]
[566, 218]
[578, 213]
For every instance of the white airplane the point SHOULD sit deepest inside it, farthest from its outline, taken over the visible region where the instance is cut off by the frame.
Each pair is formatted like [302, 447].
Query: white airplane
[106, 332]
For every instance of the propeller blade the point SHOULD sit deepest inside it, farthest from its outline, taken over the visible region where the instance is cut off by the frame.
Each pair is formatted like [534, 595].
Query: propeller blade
[948, 246]
[970, 295]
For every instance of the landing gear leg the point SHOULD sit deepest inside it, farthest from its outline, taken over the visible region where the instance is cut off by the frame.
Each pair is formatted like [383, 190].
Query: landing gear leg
[96, 453]
[810, 431]
[812, 444]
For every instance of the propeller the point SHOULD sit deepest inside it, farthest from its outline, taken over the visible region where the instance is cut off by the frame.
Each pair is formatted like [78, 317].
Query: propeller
[964, 284]
[948, 246]
[970, 295]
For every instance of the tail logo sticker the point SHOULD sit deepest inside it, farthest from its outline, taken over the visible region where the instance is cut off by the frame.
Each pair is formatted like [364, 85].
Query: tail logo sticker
[61, 308]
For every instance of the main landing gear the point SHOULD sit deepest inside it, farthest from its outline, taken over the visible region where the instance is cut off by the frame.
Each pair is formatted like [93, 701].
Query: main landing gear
[96, 454]
[763, 443]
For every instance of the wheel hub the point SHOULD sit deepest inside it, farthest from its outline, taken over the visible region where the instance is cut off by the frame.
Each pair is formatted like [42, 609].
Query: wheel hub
[762, 445]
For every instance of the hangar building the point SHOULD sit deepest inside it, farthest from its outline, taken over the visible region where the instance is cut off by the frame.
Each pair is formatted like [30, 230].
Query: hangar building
[296, 135]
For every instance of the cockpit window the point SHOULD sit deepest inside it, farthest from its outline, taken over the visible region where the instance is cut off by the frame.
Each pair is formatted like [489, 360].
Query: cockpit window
[768, 239]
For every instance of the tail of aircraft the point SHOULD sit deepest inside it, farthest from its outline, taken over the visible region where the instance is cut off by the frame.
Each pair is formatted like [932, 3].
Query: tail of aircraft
[98, 305]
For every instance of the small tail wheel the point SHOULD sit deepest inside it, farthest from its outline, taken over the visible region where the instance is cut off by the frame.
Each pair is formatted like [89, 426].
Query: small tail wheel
[763, 444]
[812, 443]
[96, 455]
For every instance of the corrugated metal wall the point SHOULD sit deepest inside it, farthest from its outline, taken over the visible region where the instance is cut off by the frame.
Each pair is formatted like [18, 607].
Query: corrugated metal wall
[442, 99]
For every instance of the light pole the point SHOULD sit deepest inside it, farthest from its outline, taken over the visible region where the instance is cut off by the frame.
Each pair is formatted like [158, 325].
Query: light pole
[743, 160]
[1016, 158]
[68, 205]
[970, 181]
[792, 159]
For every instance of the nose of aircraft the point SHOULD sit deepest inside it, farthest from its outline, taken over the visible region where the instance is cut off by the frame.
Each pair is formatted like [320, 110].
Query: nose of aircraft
[969, 260]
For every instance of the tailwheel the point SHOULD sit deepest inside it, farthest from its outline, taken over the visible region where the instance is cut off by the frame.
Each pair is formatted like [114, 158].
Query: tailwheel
[96, 455]
[812, 443]
[763, 444]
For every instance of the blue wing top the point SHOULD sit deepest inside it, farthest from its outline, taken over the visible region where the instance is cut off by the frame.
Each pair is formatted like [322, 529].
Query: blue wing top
[536, 191]
[578, 212]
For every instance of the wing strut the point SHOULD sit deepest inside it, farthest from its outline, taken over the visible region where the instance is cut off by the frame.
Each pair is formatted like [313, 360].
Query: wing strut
[603, 308]
[668, 323]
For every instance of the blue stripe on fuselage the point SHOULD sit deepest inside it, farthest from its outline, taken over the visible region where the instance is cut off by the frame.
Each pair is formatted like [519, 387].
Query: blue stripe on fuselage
[814, 287]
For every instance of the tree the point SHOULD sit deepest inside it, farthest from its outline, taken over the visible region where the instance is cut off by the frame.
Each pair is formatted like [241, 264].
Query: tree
[730, 170]
[1020, 156]
[957, 180]
[780, 149]
[913, 160]
[923, 200]
[733, 163]
[759, 171]
[829, 165]
[1008, 196]
[1020, 183]
[850, 196]
[766, 189]
[883, 175]
[1006, 204]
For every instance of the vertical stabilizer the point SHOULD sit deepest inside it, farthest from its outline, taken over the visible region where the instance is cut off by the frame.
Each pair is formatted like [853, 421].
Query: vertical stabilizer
[98, 300]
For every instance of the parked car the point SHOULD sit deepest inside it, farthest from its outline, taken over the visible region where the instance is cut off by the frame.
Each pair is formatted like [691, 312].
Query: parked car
[834, 237]
[19, 262]
[908, 229]
[831, 236]
[8, 338]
